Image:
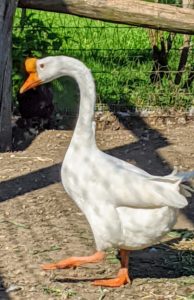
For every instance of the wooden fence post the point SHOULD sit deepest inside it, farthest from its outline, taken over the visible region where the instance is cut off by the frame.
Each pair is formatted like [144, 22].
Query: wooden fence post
[7, 10]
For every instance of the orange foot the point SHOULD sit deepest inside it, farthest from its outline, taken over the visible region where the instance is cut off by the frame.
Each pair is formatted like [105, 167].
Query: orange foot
[121, 279]
[73, 262]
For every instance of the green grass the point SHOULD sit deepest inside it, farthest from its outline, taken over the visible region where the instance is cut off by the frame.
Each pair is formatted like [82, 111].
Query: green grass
[118, 55]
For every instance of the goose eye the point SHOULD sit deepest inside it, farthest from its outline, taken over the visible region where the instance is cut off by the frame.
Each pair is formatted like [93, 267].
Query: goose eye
[41, 66]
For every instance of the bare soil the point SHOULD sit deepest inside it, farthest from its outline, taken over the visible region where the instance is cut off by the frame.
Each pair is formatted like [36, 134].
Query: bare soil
[39, 222]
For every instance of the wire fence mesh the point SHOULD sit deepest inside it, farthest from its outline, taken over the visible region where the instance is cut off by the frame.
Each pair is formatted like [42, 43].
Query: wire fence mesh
[127, 72]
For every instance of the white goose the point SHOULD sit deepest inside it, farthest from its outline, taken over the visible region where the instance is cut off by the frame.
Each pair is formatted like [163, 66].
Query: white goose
[126, 207]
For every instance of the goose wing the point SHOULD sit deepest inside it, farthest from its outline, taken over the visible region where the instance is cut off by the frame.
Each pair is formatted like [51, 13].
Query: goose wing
[130, 186]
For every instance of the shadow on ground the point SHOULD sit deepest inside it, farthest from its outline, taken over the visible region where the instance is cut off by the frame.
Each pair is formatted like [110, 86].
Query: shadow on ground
[162, 261]
[30, 182]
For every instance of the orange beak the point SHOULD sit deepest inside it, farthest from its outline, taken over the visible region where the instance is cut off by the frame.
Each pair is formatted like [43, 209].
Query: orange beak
[33, 80]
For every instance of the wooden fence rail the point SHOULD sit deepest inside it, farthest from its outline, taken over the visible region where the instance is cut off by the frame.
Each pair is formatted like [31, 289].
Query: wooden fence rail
[132, 12]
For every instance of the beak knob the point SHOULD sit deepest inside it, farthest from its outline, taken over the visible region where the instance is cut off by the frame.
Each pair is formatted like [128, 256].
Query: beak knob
[30, 65]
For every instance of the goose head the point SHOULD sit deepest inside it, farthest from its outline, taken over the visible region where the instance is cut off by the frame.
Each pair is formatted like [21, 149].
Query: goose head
[52, 67]
[49, 68]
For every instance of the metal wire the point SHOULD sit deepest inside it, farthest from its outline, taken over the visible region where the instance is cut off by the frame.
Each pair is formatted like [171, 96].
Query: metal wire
[120, 57]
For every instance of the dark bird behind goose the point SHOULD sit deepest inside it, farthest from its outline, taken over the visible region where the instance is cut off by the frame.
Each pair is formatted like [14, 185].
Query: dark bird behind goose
[36, 103]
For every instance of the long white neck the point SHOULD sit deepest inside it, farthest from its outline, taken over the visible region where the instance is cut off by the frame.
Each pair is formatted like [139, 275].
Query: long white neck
[84, 128]
[86, 86]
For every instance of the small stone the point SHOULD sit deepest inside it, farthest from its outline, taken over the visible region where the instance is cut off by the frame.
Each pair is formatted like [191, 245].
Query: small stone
[181, 120]
[33, 131]
[32, 289]
[144, 113]
[169, 122]
[13, 288]
[17, 272]
[153, 250]
[43, 273]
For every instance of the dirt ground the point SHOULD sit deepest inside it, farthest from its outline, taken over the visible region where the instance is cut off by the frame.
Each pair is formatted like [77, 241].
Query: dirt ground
[39, 223]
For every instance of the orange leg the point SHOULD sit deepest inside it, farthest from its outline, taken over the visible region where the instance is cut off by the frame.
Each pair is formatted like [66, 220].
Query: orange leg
[73, 262]
[122, 276]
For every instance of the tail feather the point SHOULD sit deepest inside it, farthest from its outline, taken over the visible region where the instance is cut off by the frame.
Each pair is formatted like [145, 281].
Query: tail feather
[186, 190]
[185, 176]
[179, 178]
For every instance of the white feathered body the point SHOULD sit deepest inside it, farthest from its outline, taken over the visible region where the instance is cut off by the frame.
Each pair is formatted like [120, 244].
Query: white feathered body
[125, 206]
